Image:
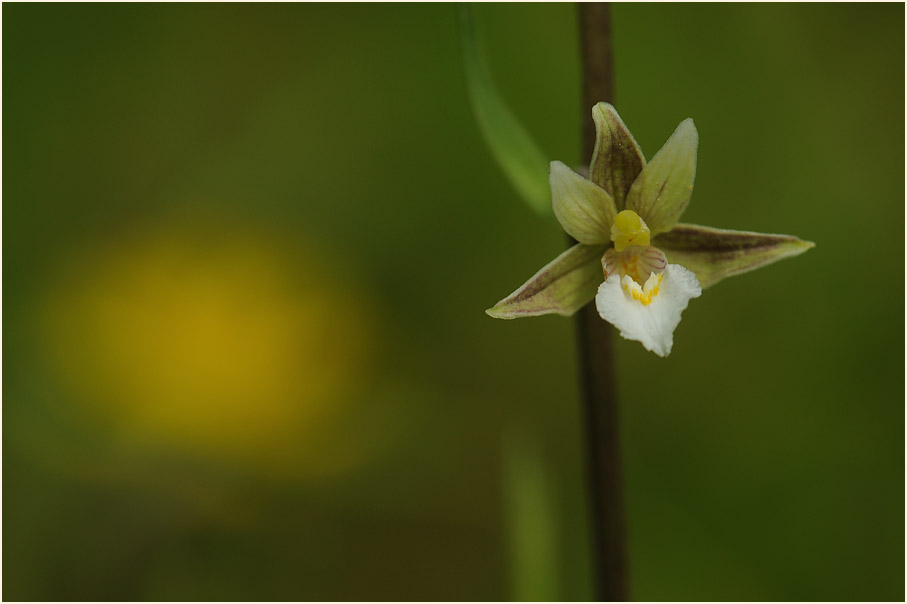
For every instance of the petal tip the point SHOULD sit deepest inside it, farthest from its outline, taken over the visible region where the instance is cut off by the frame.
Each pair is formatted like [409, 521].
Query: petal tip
[556, 166]
[688, 127]
[496, 312]
[800, 246]
[603, 107]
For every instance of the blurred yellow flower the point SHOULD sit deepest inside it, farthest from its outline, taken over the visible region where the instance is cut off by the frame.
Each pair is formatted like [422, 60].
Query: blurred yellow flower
[227, 348]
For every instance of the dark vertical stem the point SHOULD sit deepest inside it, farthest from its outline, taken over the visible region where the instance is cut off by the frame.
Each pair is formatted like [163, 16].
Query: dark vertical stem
[596, 349]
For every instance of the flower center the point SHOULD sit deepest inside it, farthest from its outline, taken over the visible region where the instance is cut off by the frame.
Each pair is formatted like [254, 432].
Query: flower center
[643, 294]
[629, 230]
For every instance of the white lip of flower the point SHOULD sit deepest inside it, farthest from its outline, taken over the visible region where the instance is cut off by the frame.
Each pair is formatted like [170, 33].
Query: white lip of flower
[643, 296]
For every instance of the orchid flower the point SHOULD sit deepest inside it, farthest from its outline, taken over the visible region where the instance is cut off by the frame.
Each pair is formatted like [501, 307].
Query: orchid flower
[633, 257]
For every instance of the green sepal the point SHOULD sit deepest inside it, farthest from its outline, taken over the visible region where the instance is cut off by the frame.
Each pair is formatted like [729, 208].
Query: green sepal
[715, 254]
[616, 160]
[517, 154]
[662, 191]
[583, 208]
[562, 287]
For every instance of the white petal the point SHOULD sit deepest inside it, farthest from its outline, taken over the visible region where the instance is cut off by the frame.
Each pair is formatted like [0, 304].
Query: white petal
[652, 324]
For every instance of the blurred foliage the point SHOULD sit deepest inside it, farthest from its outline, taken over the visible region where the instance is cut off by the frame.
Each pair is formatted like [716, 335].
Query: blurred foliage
[517, 154]
[247, 250]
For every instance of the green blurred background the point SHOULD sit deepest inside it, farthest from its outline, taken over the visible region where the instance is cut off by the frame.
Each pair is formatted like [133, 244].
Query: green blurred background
[247, 251]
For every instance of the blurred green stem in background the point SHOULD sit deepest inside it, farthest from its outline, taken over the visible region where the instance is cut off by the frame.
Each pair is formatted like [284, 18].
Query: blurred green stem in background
[596, 348]
[531, 519]
[518, 155]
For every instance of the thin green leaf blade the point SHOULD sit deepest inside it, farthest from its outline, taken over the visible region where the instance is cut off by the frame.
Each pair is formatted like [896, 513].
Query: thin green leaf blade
[562, 287]
[531, 518]
[716, 254]
[518, 155]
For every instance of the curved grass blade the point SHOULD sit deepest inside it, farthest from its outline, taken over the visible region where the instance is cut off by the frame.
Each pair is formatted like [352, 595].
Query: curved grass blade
[519, 157]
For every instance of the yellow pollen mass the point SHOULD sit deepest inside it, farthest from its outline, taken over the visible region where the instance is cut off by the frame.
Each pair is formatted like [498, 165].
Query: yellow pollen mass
[628, 230]
[643, 294]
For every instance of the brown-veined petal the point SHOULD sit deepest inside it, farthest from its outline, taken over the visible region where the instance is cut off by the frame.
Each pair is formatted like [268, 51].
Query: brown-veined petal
[715, 254]
[617, 160]
[562, 286]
